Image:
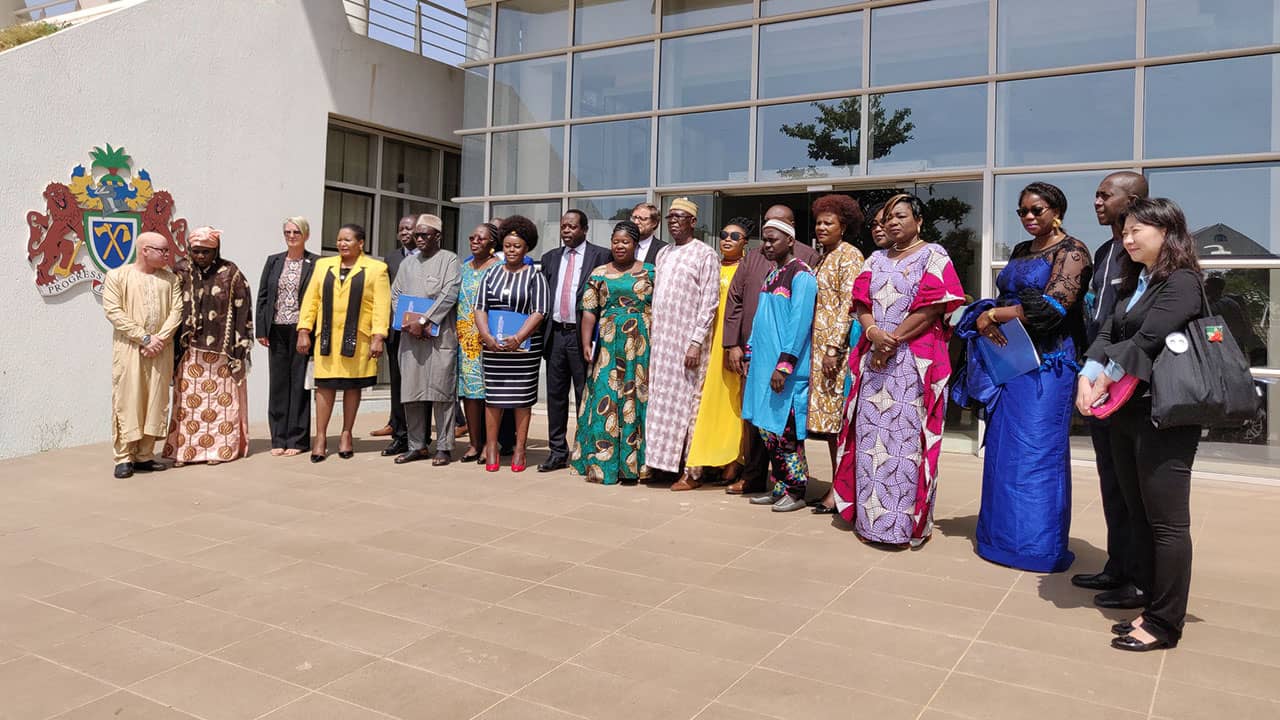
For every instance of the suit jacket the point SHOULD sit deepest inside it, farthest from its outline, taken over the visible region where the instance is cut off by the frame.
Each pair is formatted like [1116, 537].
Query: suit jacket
[393, 260]
[593, 256]
[270, 281]
[1133, 338]
[651, 258]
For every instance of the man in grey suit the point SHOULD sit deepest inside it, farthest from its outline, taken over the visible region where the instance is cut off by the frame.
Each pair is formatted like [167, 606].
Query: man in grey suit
[647, 217]
[396, 426]
[567, 269]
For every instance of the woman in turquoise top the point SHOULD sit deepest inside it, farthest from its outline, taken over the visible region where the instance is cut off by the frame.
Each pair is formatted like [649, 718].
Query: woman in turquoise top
[484, 240]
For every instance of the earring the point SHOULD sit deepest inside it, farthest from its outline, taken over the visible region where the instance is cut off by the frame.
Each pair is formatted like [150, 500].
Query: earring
[1057, 223]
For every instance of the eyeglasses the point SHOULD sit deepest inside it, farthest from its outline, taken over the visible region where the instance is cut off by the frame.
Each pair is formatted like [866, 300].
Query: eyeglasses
[735, 235]
[292, 232]
[679, 216]
[162, 251]
[637, 219]
[428, 234]
[1034, 212]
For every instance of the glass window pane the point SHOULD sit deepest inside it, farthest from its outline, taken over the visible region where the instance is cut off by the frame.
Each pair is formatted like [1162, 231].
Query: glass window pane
[479, 32]
[410, 169]
[682, 14]
[603, 213]
[451, 176]
[811, 56]
[928, 41]
[1212, 108]
[449, 220]
[706, 69]
[544, 214]
[782, 7]
[1188, 26]
[342, 207]
[612, 81]
[527, 161]
[1232, 210]
[929, 129]
[1075, 118]
[954, 213]
[703, 147]
[1084, 31]
[528, 91]
[390, 210]
[475, 97]
[532, 25]
[349, 157]
[473, 165]
[1079, 221]
[808, 140]
[603, 156]
[601, 20]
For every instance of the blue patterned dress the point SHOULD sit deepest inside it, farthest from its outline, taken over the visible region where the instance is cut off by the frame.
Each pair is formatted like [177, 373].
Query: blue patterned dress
[1026, 479]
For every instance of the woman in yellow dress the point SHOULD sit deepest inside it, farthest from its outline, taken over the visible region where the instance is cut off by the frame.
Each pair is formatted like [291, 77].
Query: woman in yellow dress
[348, 307]
[715, 441]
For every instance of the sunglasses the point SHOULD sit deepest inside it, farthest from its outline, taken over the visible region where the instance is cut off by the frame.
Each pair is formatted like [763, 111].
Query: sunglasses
[425, 235]
[1034, 212]
[735, 235]
[679, 216]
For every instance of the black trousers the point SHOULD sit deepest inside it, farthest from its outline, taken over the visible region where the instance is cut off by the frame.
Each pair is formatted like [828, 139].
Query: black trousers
[1114, 510]
[399, 428]
[755, 461]
[1154, 472]
[288, 401]
[565, 367]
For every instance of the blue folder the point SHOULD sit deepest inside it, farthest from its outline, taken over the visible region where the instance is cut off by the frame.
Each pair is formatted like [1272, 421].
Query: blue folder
[1016, 358]
[504, 324]
[414, 304]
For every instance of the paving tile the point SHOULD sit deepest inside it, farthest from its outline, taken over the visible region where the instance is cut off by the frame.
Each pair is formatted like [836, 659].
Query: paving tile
[118, 656]
[788, 696]
[360, 629]
[124, 706]
[421, 605]
[497, 667]
[165, 542]
[516, 709]
[777, 589]
[323, 707]
[982, 699]
[294, 658]
[536, 634]
[458, 529]
[550, 546]
[1181, 701]
[513, 564]
[465, 582]
[178, 579]
[110, 601]
[720, 711]
[1080, 614]
[734, 608]
[264, 602]
[331, 582]
[219, 526]
[422, 544]
[1090, 646]
[594, 694]
[884, 638]
[912, 612]
[974, 596]
[407, 692]
[662, 665]
[662, 567]
[98, 558]
[595, 611]
[36, 688]
[201, 689]
[1083, 680]
[239, 560]
[620, 586]
[691, 548]
[195, 627]
[33, 625]
[37, 578]
[1222, 673]
[710, 637]
[859, 668]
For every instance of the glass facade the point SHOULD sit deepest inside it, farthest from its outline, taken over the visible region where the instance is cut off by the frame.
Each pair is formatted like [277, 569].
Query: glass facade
[736, 103]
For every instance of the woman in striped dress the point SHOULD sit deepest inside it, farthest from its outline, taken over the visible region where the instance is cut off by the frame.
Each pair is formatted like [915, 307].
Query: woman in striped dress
[510, 370]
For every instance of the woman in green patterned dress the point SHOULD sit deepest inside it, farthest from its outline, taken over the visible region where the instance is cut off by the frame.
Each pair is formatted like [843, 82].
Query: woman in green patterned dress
[609, 443]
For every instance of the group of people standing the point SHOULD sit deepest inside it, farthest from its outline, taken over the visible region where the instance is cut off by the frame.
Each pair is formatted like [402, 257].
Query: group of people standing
[692, 367]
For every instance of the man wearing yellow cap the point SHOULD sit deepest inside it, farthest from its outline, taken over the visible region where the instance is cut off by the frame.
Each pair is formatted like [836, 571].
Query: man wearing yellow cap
[686, 293]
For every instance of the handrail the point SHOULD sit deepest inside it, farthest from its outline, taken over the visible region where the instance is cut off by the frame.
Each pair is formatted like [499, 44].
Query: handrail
[27, 14]
[430, 27]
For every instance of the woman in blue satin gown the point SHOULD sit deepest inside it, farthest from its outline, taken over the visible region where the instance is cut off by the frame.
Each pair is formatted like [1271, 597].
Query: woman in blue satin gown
[1026, 481]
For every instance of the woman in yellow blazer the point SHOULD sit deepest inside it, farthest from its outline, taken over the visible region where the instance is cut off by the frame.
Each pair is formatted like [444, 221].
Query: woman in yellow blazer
[348, 307]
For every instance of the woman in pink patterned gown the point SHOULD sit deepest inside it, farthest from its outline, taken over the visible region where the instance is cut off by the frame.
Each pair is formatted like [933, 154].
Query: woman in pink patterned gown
[891, 437]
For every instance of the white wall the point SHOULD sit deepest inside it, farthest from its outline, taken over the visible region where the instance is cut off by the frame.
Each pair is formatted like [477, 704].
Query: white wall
[226, 104]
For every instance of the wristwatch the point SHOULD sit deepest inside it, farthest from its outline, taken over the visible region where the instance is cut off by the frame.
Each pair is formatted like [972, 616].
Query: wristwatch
[832, 352]
[146, 339]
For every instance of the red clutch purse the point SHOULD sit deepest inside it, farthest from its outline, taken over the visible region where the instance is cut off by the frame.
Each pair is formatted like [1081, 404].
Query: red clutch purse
[1118, 393]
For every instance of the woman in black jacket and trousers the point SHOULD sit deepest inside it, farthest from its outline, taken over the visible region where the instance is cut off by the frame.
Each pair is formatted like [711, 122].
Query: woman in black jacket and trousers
[1161, 293]
[283, 281]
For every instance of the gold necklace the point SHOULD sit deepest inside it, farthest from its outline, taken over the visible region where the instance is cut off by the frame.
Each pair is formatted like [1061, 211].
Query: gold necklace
[905, 248]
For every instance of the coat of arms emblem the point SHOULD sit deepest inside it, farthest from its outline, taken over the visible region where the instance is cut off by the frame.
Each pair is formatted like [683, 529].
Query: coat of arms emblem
[99, 214]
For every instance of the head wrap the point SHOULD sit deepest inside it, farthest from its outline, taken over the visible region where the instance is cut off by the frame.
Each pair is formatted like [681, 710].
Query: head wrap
[782, 226]
[205, 237]
[431, 221]
[685, 204]
[631, 229]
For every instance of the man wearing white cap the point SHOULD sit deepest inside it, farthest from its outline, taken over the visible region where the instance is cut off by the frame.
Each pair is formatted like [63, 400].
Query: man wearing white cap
[428, 342]
[686, 294]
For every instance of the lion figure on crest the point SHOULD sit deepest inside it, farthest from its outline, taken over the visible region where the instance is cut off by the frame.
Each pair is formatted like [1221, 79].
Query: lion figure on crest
[56, 234]
[156, 218]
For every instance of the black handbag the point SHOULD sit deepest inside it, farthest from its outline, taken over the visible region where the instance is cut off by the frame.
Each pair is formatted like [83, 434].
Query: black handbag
[1208, 383]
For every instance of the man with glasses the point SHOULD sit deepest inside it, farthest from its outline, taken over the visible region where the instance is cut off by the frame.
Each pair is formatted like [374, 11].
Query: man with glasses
[646, 216]
[395, 427]
[685, 297]
[143, 302]
[428, 345]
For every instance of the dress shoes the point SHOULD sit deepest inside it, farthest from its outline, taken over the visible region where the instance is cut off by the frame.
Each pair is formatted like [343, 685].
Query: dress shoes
[767, 499]
[411, 456]
[124, 470]
[735, 488]
[686, 483]
[553, 464]
[397, 447]
[1097, 581]
[1133, 644]
[383, 431]
[149, 466]
[1122, 598]
[788, 503]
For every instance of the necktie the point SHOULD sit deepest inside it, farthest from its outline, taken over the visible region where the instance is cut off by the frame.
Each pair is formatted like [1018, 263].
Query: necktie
[565, 287]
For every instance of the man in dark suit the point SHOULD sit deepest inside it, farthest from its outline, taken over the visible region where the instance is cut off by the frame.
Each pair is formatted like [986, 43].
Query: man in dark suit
[646, 217]
[566, 269]
[396, 427]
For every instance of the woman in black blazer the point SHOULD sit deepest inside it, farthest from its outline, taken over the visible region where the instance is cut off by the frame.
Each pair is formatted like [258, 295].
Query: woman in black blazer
[284, 279]
[1160, 294]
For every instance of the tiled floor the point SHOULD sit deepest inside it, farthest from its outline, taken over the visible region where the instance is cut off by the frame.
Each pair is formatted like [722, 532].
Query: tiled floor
[352, 590]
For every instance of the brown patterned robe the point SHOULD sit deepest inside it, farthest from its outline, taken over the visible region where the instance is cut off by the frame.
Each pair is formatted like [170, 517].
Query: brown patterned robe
[835, 272]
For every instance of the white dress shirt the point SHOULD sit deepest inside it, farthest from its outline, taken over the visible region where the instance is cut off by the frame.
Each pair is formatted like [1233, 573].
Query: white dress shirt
[642, 249]
[578, 258]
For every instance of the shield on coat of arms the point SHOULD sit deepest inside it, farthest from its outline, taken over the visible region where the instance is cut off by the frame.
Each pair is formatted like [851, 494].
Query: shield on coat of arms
[111, 238]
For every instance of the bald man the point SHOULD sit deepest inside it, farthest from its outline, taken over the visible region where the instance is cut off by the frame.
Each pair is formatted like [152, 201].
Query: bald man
[143, 302]
[1115, 194]
[739, 313]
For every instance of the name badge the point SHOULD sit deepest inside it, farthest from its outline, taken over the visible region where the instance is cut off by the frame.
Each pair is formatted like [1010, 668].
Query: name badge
[1176, 342]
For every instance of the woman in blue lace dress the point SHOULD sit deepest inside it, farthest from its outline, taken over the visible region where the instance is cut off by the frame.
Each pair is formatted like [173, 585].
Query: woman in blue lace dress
[1026, 479]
